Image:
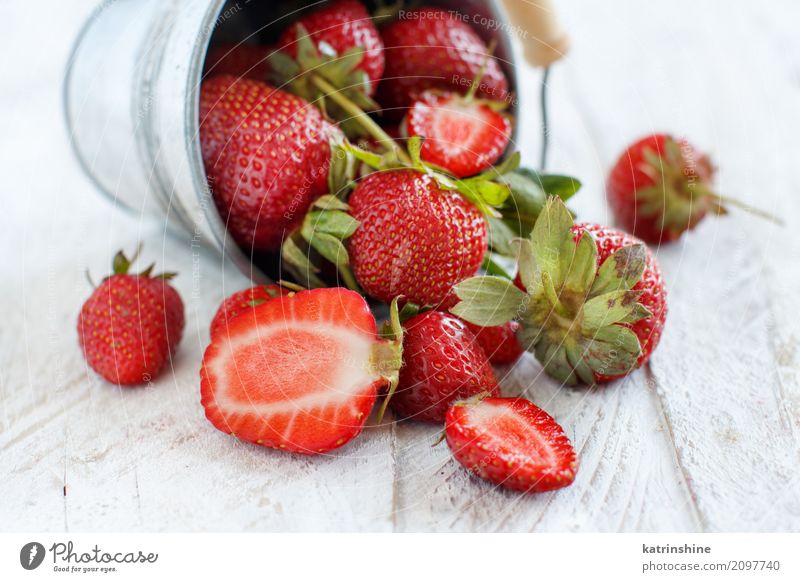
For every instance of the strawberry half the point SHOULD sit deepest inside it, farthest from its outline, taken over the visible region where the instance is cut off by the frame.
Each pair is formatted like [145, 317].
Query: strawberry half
[511, 442]
[131, 325]
[242, 302]
[442, 363]
[462, 135]
[593, 306]
[299, 373]
[662, 186]
[431, 48]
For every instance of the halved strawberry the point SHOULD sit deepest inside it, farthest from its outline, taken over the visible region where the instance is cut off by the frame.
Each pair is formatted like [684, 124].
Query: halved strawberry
[512, 443]
[241, 302]
[462, 135]
[298, 373]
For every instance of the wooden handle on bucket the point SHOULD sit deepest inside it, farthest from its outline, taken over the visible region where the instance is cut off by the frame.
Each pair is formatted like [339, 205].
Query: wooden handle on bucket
[543, 38]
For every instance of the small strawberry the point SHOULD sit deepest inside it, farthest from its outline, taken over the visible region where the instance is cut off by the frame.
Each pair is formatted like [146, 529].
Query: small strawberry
[431, 48]
[299, 373]
[349, 50]
[267, 155]
[239, 60]
[594, 305]
[511, 442]
[414, 238]
[242, 302]
[442, 363]
[131, 325]
[462, 135]
[499, 343]
[661, 187]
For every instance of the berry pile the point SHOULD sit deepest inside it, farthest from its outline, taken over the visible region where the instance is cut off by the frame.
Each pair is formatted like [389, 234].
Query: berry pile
[379, 179]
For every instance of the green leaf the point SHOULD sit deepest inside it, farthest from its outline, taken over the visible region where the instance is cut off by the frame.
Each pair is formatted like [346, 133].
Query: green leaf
[488, 301]
[565, 187]
[491, 193]
[622, 270]
[283, 65]
[500, 236]
[613, 351]
[610, 308]
[492, 267]
[331, 248]
[557, 365]
[333, 222]
[581, 265]
[575, 353]
[508, 165]
[292, 254]
[552, 230]
[120, 264]
[529, 273]
[330, 202]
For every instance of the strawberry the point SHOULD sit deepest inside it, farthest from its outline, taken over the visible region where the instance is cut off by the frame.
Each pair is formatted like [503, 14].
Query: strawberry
[414, 238]
[340, 31]
[131, 325]
[241, 302]
[661, 187]
[511, 442]
[239, 60]
[463, 136]
[266, 154]
[442, 363]
[430, 48]
[499, 343]
[594, 304]
[299, 373]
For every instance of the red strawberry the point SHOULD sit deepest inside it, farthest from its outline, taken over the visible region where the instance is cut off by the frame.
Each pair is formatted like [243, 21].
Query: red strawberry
[239, 60]
[592, 311]
[343, 25]
[131, 325]
[463, 136]
[415, 239]
[511, 442]
[267, 155]
[499, 343]
[300, 372]
[661, 187]
[431, 48]
[242, 302]
[442, 363]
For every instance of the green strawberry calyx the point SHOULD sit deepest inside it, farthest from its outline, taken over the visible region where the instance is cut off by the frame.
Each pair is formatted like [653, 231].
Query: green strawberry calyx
[387, 356]
[575, 317]
[681, 194]
[121, 265]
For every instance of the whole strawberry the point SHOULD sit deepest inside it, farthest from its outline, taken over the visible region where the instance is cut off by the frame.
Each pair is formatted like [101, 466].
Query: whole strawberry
[511, 442]
[430, 48]
[242, 302]
[499, 342]
[131, 325]
[594, 304]
[414, 238]
[267, 155]
[662, 186]
[339, 30]
[462, 135]
[442, 363]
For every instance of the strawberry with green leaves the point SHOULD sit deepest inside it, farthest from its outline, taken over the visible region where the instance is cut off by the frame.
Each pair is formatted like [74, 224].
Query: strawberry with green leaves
[661, 187]
[512, 443]
[131, 325]
[300, 372]
[594, 304]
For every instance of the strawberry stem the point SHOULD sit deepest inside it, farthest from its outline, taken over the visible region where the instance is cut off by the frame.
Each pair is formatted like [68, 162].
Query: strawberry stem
[360, 116]
[723, 200]
[470, 96]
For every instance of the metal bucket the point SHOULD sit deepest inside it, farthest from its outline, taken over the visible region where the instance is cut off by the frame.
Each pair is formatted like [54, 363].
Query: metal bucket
[131, 98]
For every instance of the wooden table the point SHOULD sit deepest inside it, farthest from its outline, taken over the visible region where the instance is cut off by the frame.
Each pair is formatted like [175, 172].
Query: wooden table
[706, 438]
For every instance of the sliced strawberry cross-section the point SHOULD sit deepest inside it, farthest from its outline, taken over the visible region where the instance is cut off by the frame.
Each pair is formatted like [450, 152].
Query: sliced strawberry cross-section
[300, 372]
